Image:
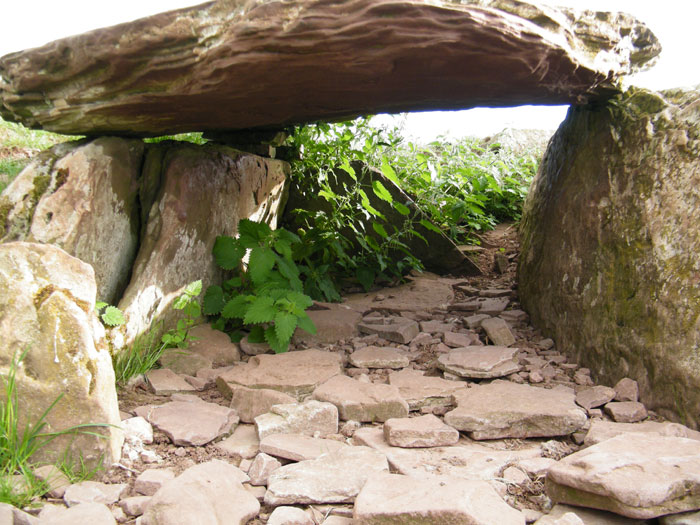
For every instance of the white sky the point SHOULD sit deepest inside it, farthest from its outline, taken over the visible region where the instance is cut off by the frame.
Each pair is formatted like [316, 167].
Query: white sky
[31, 23]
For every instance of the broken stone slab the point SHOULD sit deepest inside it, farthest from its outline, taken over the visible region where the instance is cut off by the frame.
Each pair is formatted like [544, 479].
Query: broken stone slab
[493, 306]
[192, 424]
[397, 499]
[474, 321]
[601, 430]
[514, 317]
[420, 390]
[261, 468]
[378, 357]
[206, 493]
[359, 401]
[417, 432]
[150, 480]
[595, 396]
[626, 411]
[626, 389]
[289, 516]
[163, 381]
[82, 513]
[243, 443]
[436, 327]
[56, 481]
[306, 418]
[586, 516]
[294, 373]
[495, 292]
[93, 492]
[183, 361]
[464, 460]
[481, 362]
[298, 447]
[498, 331]
[459, 340]
[10, 515]
[399, 330]
[638, 475]
[249, 403]
[504, 409]
[337, 323]
[336, 477]
[134, 505]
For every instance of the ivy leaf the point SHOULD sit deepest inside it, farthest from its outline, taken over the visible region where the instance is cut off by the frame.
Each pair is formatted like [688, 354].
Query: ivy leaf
[381, 192]
[305, 323]
[113, 316]
[228, 252]
[380, 230]
[194, 288]
[261, 262]
[236, 307]
[261, 310]
[285, 324]
[213, 300]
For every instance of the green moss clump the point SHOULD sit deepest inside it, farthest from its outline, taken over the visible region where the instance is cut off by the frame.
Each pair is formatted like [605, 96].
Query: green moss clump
[5, 209]
[41, 184]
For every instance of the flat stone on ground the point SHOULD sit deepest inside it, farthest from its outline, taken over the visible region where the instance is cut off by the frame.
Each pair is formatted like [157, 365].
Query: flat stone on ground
[184, 361]
[626, 411]
[402, 500]
[420, 390]
[602, 430]
[504, 409]
[150, 480]
[637, 475]
[214, 345]
[399, 330]
[416, 432]
[498, 331]
[94, 492]
[306, 418]
[458, 340]
[243, 443]
[482, 362]
[332, 325]
[192, 424]
[594, 396]
[297, 447]
[360, 401]
[83, 513]
[493, 305]
[249, 403]
[289, 516]
[587, 516]
[295, 373]
[378, 357]
[336, 477]
[421, 294]
[163, 381]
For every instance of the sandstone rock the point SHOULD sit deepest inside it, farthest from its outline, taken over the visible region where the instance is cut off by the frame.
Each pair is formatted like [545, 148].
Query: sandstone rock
[295, 373]
[492, 54]
[206, 493]
[493, 306]
[504, 409]
[332, 325]
[360, 401]
[137, 430]
[626, 389]
[378, 357]
[684, 518]
[392, 498]
[70, 195]
[474, 321]
[134, 505]
[93, 492]
[498, 331]
[249, 403]
[150, 480]
[83, 513]
[436, 327]
[458, 340]
[626, 411]
[261, 468]
[183, 361]
[631, 241]
[249, 348]
[47, 301]
[514, 317]
[536, 467]
[10, 515]
[480, 361]
[213, 345]
[289, 516]
[415, 432]
[56, 481]
[399, 330]
[637, 475]
[297, 447]
[192, 424]
[421, 294]
[243, 443]
[163, 381]
[595, 396]
[307, 418]
[602, 430]
[336, 477]
[586, 516]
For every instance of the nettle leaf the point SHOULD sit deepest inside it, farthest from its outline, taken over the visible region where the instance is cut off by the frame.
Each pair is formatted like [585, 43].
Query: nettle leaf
[112, 316]
[364, 200]
[381, 192]
[214, 300]
[305, 323]
[228, 252]
[252, 234]
[389, 172]
[403, 210]
[181, 302]
[236, 307]
[299, 299]
[380, 230]
[365, 276]
[194, 288]
[233, 283]
[261, 262]
[347, 168]
[257, 334]
[430, 226]
[285, 324]
[99, 305]
[261, 310]
[275, 343]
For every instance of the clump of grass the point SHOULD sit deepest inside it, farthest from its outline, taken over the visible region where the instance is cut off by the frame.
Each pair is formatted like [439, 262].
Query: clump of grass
[9, 169]
[194, 138]
[140, 357]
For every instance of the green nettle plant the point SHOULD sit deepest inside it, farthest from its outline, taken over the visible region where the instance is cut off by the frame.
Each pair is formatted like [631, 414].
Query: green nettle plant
[179, 337]
[266, 296]
[109, 315]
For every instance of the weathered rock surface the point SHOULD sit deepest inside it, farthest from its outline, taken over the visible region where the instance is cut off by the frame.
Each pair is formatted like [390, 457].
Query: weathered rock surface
[306, 418]
[602, 430]
[298, 447]
[684, 518]
[243, 443]
[358, 401]
[214, 345]
[290, 516]
[417, 432]
[83, 513]
[192, 423]
[249, 403]
[206, 493]
[365, 58]
[336, 477]
[621, 298]
[151, 480]
[47, 301]
[378, 357]
[420, 390]
[637, 475]
[595, 396]
[261, 468]
[332, 325]
[626, 411]
[504, 409]
[587, 516]
[94, 492]
[481, 362]
[397, 329]
[295, 373]
[498, 331]
[422, 293]
[10, 515]
[396, 499]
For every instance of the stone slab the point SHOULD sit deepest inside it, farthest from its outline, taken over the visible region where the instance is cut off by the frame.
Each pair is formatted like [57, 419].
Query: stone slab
[481, 362]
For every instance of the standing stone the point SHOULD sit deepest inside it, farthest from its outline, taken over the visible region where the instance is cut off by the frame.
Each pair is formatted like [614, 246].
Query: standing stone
[481, 362]
[307, 418]
[47, 301]
[416, 432]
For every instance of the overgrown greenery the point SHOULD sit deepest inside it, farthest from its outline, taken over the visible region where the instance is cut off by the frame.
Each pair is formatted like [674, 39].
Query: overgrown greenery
[266, 295]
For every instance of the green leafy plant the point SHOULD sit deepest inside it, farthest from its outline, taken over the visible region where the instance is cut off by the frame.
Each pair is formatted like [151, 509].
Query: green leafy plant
[110, 315]
[187, 302]
[267, 295]
[140, 357]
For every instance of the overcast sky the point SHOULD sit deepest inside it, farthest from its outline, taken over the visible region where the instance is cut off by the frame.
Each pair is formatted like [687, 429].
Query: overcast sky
[31, 23]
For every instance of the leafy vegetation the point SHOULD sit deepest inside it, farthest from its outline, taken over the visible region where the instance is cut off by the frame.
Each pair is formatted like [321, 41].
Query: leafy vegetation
[179, 337]
[267, 294]
[109, 315]
[194, 138]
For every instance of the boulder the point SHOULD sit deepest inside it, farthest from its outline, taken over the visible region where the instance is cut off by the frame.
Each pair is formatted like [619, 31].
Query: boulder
[609, 241]
[225, 62]
[47, 301]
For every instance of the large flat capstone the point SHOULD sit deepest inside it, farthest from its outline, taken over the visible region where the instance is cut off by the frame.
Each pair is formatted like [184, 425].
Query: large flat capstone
[236, 65]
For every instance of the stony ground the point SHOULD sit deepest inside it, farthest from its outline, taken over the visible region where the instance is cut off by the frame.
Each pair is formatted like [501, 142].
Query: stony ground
[433, 402]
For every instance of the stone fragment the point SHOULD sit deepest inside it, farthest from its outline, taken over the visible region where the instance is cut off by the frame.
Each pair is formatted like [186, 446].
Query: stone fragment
[249, 348]
[337, 520]
[56, 480]
[289, 516]
[585, 516]
[602, 430]
[243, 443]
[423, 431]
[193, 424]
[514, 317]
[594, 397]
[493, 306]
[262, 466]
[336, 477]
[205, 493]
[481, 362]
[399, 330]
[637, 475]
[684, 518]
[498, 331]
[536, 467]
[360, 401]
[163, 382]
[297, 447]
[337, 323]
[82, 513]
[458, 340]
[137, 429]
[378, 357]
[150, 480]
[474, 321]
[183, 361]
[135, 505]
[249, 403]
[10, 515]
[213, 345]
[626, 389]
[436, 327]
[626, 411]
[392, 498]
[495, 292]
[294, 373]
[505, 409]
[93, 492]
[306, 418]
